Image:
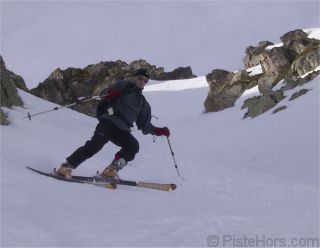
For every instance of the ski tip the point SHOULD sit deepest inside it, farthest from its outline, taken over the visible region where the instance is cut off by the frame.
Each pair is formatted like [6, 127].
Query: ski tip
[173, 186]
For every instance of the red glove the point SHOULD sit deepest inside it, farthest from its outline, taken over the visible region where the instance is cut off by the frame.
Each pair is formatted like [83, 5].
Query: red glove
[110, 94]
[164, 131]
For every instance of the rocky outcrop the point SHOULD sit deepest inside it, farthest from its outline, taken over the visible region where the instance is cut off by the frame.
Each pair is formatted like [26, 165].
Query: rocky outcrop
[298, 94]
[259, 104]
[292, 82]
[298, 41]
[18, 80]
[3, 118]
[9, 93]
[66, 86]
[275, 64]
[218, 81]
[226, 87]
[307, 61]
[254, 54]
[179, 73]
[281, 108]
[292, 63]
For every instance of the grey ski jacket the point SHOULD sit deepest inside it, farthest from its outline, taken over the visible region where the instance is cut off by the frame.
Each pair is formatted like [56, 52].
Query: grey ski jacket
[130, 107]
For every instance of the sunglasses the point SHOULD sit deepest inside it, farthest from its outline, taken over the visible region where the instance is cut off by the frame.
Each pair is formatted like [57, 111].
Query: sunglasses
[142, 78]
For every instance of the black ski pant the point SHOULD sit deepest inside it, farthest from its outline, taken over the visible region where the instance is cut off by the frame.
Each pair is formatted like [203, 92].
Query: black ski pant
[105, 132]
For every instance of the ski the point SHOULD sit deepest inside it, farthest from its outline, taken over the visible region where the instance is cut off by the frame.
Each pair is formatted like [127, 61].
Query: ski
[74, 180]
[108, 183]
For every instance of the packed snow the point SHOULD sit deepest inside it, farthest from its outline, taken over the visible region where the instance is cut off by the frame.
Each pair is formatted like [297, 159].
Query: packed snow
[240, 177]
[256, 70]
[316, 69]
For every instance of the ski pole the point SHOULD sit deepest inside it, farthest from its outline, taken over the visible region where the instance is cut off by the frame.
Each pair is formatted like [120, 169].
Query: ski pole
[65, 106]
[172, 153]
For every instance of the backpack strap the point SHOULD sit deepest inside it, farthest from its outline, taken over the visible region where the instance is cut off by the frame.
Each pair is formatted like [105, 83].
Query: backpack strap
[105, 104]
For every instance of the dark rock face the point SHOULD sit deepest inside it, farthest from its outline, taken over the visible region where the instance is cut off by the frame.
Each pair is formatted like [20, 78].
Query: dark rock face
[3, 118]
[18, 80]
[179, 73]
[218, 98]
[66, 86]
[292, 82]
[275, 64]
[260, 104]
[298, 94]
[279, 109]
[253, 54]
[298, 41]
[226, 87]
[306, 61]
[9, 93]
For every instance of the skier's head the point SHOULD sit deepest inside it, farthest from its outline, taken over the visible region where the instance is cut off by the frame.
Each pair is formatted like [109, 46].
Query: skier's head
[141, 77]
[142, 72]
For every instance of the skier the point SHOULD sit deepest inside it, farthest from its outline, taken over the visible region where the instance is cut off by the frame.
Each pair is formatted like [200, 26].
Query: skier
[122, 104]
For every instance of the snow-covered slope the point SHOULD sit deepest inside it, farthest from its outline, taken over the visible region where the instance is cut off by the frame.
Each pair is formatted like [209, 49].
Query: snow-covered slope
[240, 177]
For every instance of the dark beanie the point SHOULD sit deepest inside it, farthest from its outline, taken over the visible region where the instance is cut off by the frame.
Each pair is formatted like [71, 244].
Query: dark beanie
[142, 72]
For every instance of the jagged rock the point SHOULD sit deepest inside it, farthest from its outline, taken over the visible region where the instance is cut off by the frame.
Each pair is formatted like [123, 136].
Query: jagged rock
[241, 75]
[260, 104]
[218, 80]
[298, 56]
[2, 64]
[275, 64]
[3, 118]
[9, 93]
[279, 109]
[306, 61]
[65, 86]
[18, 80]
[266, 82]
[298, 94]
[225, 88]
[308, 57]
[292, 82]
[277, 59]
[291, 36]
[215, 103]
[253, 54]
[179, 73]
[298, 40]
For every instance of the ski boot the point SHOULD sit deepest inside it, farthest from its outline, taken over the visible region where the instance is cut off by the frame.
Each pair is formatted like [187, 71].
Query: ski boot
[111, 172]
[64, 170]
